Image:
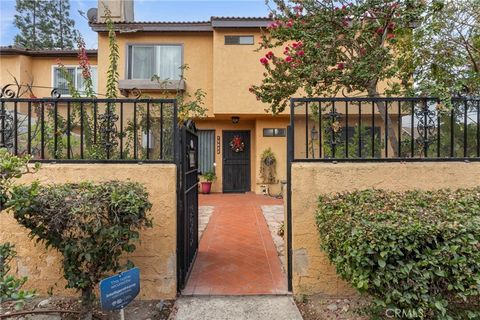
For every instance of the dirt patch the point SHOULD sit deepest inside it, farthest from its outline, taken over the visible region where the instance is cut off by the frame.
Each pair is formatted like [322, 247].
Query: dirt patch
[138, 310]
[323, 308]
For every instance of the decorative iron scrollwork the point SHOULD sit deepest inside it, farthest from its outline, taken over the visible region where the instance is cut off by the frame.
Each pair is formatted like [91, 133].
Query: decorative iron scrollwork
[108, 129]
[8, 93]
[426, 126]
[137, 93]
[55, 93]
[333, 129]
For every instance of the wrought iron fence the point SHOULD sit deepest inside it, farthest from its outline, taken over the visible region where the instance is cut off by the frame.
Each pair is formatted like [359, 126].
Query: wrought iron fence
[395, 129]
[89, 130]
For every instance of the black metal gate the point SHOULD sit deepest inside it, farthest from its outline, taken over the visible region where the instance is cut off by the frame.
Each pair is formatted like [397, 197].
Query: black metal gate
[187, 201]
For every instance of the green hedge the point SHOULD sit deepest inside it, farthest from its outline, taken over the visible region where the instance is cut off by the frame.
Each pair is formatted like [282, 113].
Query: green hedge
[417, 252]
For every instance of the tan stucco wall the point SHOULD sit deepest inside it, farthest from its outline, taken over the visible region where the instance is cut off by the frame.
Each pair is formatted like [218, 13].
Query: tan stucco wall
[258, 144]
[197, 54]
[155, 254]
[312, 272]
[35, 71]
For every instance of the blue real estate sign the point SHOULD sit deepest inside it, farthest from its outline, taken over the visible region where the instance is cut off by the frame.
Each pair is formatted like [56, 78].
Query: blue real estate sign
[118, 291]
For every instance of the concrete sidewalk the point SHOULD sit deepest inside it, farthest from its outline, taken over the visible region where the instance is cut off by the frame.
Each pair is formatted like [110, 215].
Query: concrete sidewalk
[237, 308]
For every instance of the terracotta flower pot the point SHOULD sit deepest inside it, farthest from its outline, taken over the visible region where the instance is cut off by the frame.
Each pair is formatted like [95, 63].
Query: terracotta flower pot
[206, 187]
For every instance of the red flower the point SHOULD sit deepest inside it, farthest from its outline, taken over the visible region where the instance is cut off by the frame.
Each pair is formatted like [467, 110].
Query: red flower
[301, 53]
[269, 55]
[289, 24]
[272, 25]
[391, 26]
[380, 30]
[264, 61]
[298, 8]
[341, 66]
[297, 45]
[288, 59]
[390, 36]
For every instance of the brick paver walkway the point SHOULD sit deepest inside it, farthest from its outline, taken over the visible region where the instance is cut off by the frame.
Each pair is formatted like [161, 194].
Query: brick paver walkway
[236, 255]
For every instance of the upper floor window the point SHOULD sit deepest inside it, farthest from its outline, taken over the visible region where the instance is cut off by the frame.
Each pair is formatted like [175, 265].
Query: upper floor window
[60, 79]
[145, 61]
[239, 40]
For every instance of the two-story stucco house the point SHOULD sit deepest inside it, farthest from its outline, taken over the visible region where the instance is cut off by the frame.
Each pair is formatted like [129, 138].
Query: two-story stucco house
[221, 60]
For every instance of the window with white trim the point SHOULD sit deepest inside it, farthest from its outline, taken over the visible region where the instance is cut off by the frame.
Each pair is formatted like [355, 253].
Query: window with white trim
[145, 61]
[60, 79]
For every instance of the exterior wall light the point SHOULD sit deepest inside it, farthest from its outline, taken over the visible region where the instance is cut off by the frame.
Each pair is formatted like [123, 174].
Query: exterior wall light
[235, 120]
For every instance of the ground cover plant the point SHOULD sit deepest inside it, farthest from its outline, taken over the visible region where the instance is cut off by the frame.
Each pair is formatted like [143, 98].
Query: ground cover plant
[417, 253]
[90, 224]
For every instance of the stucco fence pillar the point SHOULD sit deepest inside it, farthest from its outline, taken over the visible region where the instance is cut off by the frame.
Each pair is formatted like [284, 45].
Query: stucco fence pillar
[312, 272]
[156, 251]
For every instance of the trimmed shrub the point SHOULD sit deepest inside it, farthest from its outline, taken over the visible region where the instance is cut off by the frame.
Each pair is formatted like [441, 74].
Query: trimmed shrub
[91, 225]
[414, 252]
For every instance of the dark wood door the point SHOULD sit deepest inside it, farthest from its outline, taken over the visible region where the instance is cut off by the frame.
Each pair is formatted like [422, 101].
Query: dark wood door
[236, 161]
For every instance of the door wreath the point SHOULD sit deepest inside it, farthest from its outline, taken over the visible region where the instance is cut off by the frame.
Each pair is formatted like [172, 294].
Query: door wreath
[237, 144]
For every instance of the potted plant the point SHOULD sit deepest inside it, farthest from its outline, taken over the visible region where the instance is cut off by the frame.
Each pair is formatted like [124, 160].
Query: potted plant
[207, 184]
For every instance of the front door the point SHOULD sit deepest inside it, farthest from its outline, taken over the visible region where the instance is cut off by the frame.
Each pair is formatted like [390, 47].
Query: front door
[236, 161]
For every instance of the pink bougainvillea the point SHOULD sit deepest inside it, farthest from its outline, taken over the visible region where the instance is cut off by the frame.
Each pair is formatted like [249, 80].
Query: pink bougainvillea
[264, 61]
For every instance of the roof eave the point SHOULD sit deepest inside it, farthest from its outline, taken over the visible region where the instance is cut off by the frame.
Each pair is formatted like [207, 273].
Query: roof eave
[44, 53]
[151, 27]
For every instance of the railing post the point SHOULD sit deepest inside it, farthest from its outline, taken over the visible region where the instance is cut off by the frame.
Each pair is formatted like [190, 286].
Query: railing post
[290, 156]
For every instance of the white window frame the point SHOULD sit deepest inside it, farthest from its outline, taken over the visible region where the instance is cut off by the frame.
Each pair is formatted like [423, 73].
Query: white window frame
[129, 60]
[76, 66]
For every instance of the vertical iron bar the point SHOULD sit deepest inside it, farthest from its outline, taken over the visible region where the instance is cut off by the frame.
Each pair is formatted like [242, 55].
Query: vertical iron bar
[373, 129]
[148, 130]
[386, 129]
[42, 134]
[95, 119]
[290, 156]
[68, 130]
[346, 129]
[412, 132]
[108, 131]
[452, 133]
[478, 128]
[29, 129]
[333, 145]
[121, 130]
[465, 130]
[161, 130]
[439, 145]
[399, 105]
[135, 131]
[15, 127]
[3, 118]
[55, 130]
[360, 138]
[425, 132]
[320, 129]
[81, 130]
[292, 125]
[306, 129]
